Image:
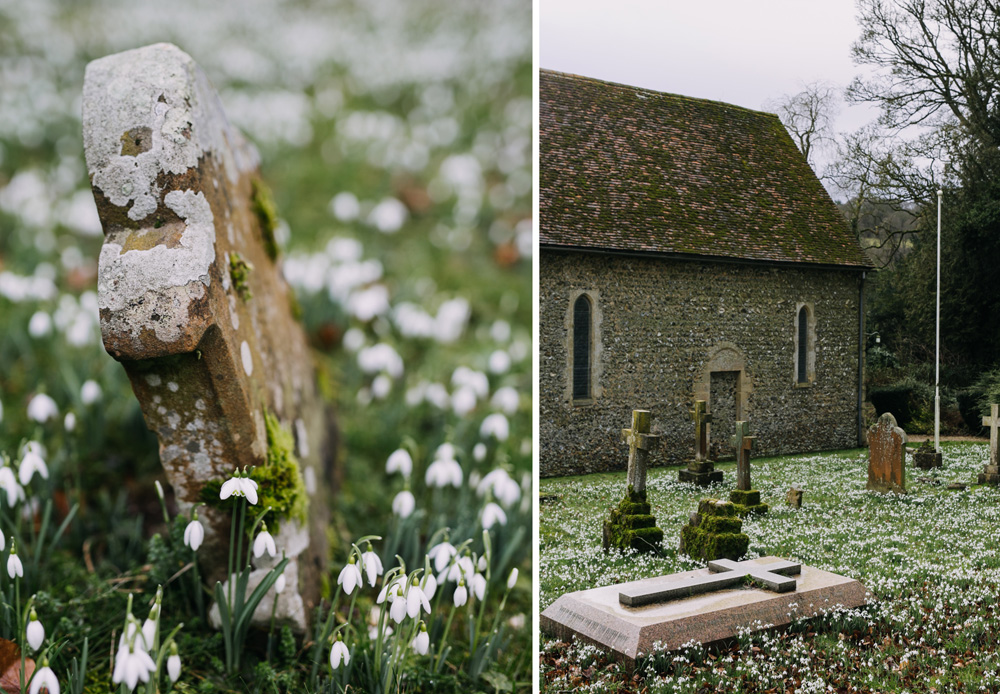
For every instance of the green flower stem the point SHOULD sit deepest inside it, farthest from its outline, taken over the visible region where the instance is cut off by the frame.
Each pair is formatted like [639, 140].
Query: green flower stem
[444, 636]
[322, 636]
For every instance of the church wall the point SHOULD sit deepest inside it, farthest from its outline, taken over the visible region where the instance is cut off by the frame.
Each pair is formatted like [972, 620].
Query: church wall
[662, 326]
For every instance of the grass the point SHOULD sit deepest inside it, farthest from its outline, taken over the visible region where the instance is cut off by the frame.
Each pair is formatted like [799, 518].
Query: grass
[928, 559]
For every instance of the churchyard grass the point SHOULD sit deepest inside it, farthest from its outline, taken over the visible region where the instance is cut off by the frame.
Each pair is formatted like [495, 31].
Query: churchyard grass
[396, 139]
[928, 559]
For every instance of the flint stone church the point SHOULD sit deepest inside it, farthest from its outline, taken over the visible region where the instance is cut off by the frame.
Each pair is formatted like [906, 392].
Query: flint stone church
[688, 252]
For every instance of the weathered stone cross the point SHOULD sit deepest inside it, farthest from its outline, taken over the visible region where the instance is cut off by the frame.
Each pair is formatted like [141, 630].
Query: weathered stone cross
[194, 305]
[723, 573]
[640, 443]
[742, 442]
[993, 421]
[701, 418]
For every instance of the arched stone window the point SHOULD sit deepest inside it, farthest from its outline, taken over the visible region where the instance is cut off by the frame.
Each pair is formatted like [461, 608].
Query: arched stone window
[805, 345]
[583, 342]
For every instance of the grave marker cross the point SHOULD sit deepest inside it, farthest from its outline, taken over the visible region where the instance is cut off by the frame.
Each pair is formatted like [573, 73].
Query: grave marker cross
[701, 419]
[742, 441]
[723, 574]
[640, 442]
[993, 421]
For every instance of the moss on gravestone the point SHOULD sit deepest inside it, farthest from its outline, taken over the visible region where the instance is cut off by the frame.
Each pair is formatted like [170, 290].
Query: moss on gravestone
[631, 525]
[267, 215]
[239, 273]
[747, 502]
[714, 532]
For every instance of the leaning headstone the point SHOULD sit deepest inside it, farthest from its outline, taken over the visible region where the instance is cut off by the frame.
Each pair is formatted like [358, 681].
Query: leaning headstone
[991, 473]
[705, 605]
[630, 523]
[714, 531]
[926, 458]
[794, 497]
[744, 497]
[886, 456]
[194, 306]
[701, 470]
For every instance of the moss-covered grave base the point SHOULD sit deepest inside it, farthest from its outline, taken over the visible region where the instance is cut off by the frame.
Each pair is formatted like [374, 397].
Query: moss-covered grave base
[747, 502]
[715, 532]
[631, 525]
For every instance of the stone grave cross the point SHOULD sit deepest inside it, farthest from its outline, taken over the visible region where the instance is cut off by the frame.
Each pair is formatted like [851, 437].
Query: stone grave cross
[701, 419]
[194, 305]
[640, 443]
[743, 442]
[993, 422]
[723, 573]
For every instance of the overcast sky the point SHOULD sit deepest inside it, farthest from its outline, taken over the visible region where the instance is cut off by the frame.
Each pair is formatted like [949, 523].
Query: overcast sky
[739, 51]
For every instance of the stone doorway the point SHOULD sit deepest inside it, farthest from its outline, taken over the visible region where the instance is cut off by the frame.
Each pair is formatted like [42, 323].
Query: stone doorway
[724, 399]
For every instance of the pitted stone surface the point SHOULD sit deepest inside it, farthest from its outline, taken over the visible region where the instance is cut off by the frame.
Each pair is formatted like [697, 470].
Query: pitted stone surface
[886, 456]
[176, 188]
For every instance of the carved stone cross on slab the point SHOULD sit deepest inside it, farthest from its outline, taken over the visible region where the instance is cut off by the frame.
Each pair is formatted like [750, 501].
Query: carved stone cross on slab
[640, 443]
[743, 442]
[723, 574]
[701, 419]
[194, 306]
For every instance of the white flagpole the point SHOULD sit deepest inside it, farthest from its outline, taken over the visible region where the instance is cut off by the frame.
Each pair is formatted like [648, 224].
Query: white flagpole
[937, 339]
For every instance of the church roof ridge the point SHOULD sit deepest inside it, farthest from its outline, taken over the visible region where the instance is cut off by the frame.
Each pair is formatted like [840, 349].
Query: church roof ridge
[629, 168]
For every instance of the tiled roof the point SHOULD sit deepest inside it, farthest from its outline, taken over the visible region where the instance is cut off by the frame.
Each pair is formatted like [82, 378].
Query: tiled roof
[629, 169]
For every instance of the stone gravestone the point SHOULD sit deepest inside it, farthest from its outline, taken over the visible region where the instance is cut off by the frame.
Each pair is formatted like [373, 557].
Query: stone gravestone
[991, 473]
[886, 456]
[926, 458]
[745, 497]
[194, 306]
[630, 523]
[715, 531]
[705, 605]
[701, 470]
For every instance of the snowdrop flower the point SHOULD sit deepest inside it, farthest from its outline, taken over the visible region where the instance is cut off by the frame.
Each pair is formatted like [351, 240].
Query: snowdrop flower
[3, 540]
[40, 325]
[492, 513]
[470, 378]
[90, 392]
[479, 452]
[415, 599]
[31, 463]
[239, 485]
[149, 627]
[8, 483]
[397, 610]
[264, 543]
[44, 679]
[339, 653]
[279, 584]
[194, 533]
[463, 401]
[441, 555]
[501, 485]
[399, 461]
[422, 641]
[459, 570]
[403, 504]
[69, 421]
[350, 576]
[499, 362]
[391, 589]
[372, 564]
[495, 425]
[174, 663]
[461, 594]
[14, 565]
[443, 472]
[482, 564]
[506, 400]
[512, 579]
[479, 585]
[429, 585]
[42, 408]
[132, 662]
[35, 631]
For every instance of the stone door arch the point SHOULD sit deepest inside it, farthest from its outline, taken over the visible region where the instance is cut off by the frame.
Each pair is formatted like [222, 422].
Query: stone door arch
[728, 363]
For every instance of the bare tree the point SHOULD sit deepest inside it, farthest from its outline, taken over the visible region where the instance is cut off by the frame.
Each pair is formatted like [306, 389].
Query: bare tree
[808, 116]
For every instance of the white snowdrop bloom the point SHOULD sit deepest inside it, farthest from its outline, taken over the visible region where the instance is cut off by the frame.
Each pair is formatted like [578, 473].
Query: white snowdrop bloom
[399, 461]
[40, 325]
[477, 380]
[239, 485]
[421, 643]
[8, 483]
[1, 411]
[264, 542]
[446, 451]
[344, 250]
[388, 216]
[500, 330]
[461, 569]
[35, 632]
[495, 425]
[90, 392]
[451, 319]
[397, 610]
[381, 387]
[441, 473]
[194, 534]
[391, 590]
[14, 565]
[499, 362]
[403, 504]
[280, 583]
[132, 663]
[69, 421]
[415, 599]
[479, 585]
[80, 332]
[339, 653]
[492, 513]
[461, 595]
[501, 485]
[441, 555]
[437, 395]
[429, 585]
[350, 576]
[413, 321]
[512, 579]
[365, 304]
[345, 206]
[479, 452]
[32, 463]
[506, 400]
[354, 339]
[174, 666]
[481, 564]
[44, 679]
[463, 401]
[42, 408]
[372, 565]
[380, 357]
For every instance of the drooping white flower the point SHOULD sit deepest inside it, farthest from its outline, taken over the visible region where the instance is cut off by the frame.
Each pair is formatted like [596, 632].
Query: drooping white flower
[69, 422]
[194, 534]
[40, 325]
[462, 568]
[506, 400]
[90, 392]
[45, 679]
[479, 585]
[399, 461]
[174, 666]
[429, 585]
[239, 485]
[372, 564]
[391, 589]
[444, 472]
[499, 362]
[501, 485]
[397, 610]
[350, 576]
[8, 483]
[479, 452]
[461, 594]
[492, 514]
[415, 599]
[339, 654]
[512, 579]
[441, 555]
[404, 503]
[264, 543]
[31, 463]
[14, 565]
[495, 425]
[35, 632]
[280, 582]
[42, 408]
[422, 641]
[463, 401]
[132, 662]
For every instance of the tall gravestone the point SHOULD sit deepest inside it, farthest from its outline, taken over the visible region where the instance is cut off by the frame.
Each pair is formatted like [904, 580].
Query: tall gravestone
[991, 473]
[886, 456]
[630, 523]
[701, 470]
[194, 306]
[744, 497]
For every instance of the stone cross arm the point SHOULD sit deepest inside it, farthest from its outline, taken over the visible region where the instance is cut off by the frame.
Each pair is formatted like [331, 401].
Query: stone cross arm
[742, 438]
[723, 574]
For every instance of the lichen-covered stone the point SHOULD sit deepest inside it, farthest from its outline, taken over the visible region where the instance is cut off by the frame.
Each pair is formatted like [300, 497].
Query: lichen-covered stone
[630, 525]
[714, 532]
